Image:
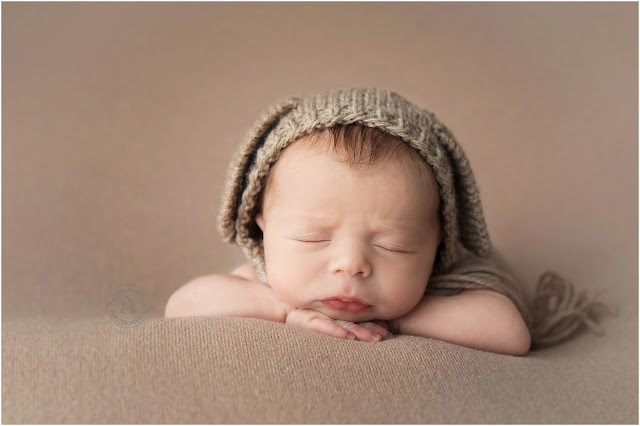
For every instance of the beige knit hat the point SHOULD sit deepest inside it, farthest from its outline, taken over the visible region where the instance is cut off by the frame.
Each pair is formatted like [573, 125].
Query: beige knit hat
[462, 260]
[293, 118]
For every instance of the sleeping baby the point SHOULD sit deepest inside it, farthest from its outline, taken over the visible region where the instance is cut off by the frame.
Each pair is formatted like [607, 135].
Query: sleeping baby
[361, 219]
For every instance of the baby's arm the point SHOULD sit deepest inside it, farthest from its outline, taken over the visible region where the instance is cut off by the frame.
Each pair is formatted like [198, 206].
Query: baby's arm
[238, 294]
[480, 319]
[241, 294]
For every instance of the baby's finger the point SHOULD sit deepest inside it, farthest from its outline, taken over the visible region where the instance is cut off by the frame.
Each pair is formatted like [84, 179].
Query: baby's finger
[376, 328]
[318, 322]
[388, 325]
[360, 332]
[330, 328]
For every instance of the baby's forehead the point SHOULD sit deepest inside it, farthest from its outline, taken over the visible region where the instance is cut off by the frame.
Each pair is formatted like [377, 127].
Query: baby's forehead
[391, 151]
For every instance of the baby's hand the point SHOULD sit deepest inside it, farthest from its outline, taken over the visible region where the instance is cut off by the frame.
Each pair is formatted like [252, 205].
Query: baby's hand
[321, 323]
[382, 327]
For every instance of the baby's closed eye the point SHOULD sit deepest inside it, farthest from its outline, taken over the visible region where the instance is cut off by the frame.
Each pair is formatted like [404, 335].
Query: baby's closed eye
[387, 246]
[394, 248]
[311, 239]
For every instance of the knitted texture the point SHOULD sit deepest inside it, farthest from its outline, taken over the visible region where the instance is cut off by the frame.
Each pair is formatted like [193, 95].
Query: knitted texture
[462, 261]
[461, 210]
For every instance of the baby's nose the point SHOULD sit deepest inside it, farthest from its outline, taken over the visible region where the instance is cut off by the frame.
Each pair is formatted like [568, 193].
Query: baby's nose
[351, 259]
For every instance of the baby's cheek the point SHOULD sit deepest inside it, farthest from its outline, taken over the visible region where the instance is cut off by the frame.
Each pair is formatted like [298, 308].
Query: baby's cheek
[401, 299]
[399, 305]
[285, 283]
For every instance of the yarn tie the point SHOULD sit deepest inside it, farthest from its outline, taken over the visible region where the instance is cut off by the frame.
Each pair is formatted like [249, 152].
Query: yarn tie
[558, 311]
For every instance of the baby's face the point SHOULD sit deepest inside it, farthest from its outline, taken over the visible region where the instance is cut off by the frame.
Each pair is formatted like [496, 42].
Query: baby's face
[335, 232]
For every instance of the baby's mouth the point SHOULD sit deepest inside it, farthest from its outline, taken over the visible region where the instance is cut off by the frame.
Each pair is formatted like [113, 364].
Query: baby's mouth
[346, 304]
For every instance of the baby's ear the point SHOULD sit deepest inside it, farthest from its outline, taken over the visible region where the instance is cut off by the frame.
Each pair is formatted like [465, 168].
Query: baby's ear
[260, 221]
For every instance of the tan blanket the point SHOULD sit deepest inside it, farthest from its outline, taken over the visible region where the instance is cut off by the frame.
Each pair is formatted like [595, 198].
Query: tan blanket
[240, 370]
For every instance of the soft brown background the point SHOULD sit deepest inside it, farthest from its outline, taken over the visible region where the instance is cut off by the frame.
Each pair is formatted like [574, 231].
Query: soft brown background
[119, 121]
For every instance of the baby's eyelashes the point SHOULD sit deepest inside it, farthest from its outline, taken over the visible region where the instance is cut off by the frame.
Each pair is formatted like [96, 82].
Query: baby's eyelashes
[311, 240]
[394, 249]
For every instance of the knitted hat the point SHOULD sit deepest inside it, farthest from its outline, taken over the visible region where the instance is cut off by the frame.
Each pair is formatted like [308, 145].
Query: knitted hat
[462, 259]
[293, 118]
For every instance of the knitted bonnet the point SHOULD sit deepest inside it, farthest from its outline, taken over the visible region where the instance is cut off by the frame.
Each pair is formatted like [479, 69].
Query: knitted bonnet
[462, 261]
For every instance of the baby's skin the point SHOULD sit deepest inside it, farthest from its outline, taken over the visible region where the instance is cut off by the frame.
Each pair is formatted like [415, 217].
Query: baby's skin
[349, 250]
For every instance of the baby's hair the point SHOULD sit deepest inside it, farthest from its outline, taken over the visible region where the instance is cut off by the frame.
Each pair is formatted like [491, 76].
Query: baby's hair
[365, 146]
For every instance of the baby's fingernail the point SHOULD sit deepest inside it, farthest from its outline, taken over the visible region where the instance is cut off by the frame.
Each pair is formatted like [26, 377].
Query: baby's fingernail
[375, 337]
[351, 336]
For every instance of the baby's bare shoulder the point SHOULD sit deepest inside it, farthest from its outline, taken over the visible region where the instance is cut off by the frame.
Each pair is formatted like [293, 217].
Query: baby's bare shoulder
[246, 271]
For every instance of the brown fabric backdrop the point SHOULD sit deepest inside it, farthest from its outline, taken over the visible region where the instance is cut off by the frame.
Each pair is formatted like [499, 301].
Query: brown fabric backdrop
[119, 121]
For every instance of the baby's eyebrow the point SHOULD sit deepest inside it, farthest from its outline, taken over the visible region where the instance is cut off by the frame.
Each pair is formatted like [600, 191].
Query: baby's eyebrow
[402, 224]
[400, 230]
[396, 230]
[316, 220]
[320, 221]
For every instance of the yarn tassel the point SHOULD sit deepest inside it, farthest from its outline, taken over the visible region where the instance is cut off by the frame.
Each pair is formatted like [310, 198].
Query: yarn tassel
[558, 312]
